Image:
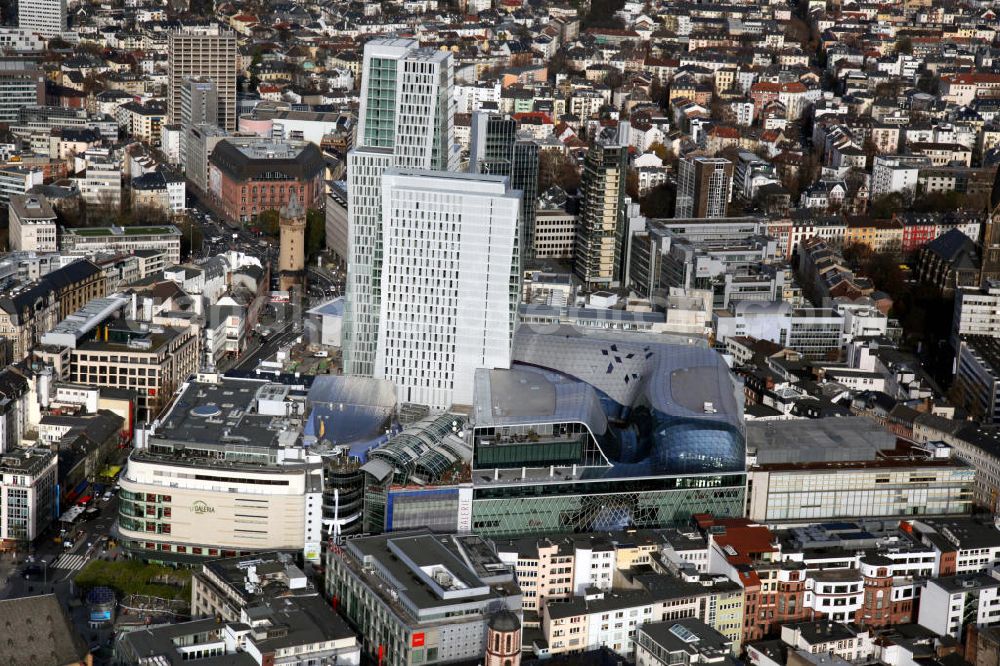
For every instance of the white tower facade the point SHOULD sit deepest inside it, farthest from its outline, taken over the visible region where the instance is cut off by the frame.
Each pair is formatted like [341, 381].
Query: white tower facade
[406, 120]
[449, 282]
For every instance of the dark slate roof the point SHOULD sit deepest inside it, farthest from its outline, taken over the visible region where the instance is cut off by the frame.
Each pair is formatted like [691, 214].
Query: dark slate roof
[240, 167]
[76, 272]
[956, 248]
[36, 630]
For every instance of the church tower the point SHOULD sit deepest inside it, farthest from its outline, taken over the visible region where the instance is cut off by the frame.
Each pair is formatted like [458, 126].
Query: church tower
[503, 640]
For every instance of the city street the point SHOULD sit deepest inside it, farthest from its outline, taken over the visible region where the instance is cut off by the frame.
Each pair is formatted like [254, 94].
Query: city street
[59, 568]
[251, 359]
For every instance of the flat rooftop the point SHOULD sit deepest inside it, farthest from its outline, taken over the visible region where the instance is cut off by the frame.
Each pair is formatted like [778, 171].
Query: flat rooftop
[429, 573]
[846, 439]
[89, 232]
[278, 150]
[71, 329]
[207, 413]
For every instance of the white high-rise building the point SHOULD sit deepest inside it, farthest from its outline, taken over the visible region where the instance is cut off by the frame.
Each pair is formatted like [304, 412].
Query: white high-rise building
[45, 17]
[449, 282]
[406, 120]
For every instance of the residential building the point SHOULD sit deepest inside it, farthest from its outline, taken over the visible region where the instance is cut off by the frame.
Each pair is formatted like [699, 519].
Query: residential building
[614, 618]
[204, 53]
[828, 272]
[32, 224]
[897, 174]
[444, 593]
[15, 407]
[847, 641]
[977, 377]
[412, 131]
[599, 256]
[684, 641]
[704, 187]
[34, 309]
[442, 233]
[28, 494]
[951, 604]
[160, 190]
[142, 121]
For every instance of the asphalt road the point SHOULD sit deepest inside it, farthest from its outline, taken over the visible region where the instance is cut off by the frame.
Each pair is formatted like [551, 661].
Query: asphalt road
[269, 349]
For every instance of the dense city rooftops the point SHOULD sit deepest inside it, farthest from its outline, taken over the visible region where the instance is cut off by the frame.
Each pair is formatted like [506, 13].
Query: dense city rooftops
[427, 573]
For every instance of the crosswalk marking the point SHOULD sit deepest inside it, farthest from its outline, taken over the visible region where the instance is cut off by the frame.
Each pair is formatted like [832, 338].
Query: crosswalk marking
[71, 562]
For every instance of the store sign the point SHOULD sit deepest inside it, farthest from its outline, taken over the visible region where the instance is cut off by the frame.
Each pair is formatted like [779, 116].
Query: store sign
[200, 507]
[418, 640]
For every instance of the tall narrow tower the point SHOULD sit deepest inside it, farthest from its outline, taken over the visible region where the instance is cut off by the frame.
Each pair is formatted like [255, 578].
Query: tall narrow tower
[497, 150]
[598, 257]
[204, 52]
[406, 120]
[292, 254]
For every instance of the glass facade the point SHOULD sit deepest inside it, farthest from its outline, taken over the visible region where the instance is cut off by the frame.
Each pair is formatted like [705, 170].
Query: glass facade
[586, 507]
[670, 446]
[502, 153]
[869, 493]
[380, 111]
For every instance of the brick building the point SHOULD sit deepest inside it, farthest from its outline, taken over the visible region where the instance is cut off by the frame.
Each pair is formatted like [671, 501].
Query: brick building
[250, 176]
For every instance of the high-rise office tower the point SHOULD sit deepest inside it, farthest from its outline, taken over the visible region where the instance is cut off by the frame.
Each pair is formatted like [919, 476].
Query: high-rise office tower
[46, 17]
[406, 119]
[209, 53]
[601, 225]
[449, 282]
[496, 149]
[199, 106]
[704, 187]
[199, 101]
